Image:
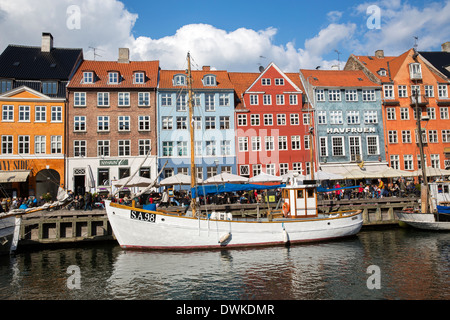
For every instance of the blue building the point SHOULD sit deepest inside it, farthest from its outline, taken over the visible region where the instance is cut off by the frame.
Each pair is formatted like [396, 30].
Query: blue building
[213, 123]
[348, 121]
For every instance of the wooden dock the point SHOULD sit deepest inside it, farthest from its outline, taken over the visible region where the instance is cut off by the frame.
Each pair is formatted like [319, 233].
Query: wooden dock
[78, 226]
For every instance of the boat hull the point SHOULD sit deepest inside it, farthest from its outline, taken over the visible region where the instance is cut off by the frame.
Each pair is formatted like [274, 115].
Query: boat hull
[7, 226]
[424, 221]
[142, 229]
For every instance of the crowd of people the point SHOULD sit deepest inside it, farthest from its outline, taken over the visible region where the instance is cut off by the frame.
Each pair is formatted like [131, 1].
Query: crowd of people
[11, 203]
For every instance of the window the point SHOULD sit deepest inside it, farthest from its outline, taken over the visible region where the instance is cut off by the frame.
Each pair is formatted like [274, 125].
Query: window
[244, 171]
[372, 145]
[224, 123]
[7, 113]
[56, 144]
[24, 145]
[103, 149]
[402, 91]
[39, 144]
[269, 141]
[306, 141]
[295, 119]
[144, 123]
[446, 136]
[295, 143]
[225, 148]
[224, 100]
[197, 100]
[56, 114]
[281, 119]
[124, 99]
[424, 136]
[257, 169]
[256, 143]
[408, 162]
[144, 99]
[355, 148]
[431, 113]
[334, 95]
[124, 148]
[167, 123]
[49, 87]
[24, 113]
[210, 148]
[265, 82]
[209, 103]
[390, 112]
[306, 119]
[442, 91]
[388, 90]
[270, 169]
[433, 136]
[268, 120]
[210, 123]
[415, 71]
[182, 102]
[7, 144]
[293, 99]
[242, 119]
[414, 89]
[280, 99]
[103, 123]
[337, 146]
[209, 80]
[79, 99]
[395, 162]
[404, 113]
[79, 148]
[429, 91]
[166, 100]
[382, 72]
[113, 78]
[353, 117]
[182, 148]
[279, 82]
[368, 95]
[103, 176]
[124, 123]
[322, 117]
[182, 123]
[406, 136]
[243, 144]
[267, 99]
[419, 162]
[167, 148]
[254, 120]
[254, 100]
[370, 117]
[79, 124]
[88, 77]
[282, 143]
[103, 99]
[320, 95]
[435, 161]
[392, 136]
[284, 168]
[197, 123]
[179, 80]
[444, 113]
[40, 114]
[297, 166]
[351, 95]
[5, 85]
[336, 117]
[139, 77]
[323, 146]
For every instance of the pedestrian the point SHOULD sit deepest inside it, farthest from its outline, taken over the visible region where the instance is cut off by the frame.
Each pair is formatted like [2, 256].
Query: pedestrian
[165, 199]
[338, 192]
[87, 201]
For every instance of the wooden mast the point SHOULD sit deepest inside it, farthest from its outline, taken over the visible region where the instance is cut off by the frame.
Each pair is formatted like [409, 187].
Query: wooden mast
[424, 190]
[191, 118]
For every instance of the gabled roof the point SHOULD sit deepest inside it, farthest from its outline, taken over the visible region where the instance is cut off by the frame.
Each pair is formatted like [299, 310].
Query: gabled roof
[222, 80]
[337, 78]
[241, 82]
[126, 71]
[30, 63]
[295, 82]
[375, 64]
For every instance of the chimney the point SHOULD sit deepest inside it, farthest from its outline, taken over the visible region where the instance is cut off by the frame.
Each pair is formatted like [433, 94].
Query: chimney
[206, 68]
[379, 54]
[446, 47]
[47, 42]
[124, 55]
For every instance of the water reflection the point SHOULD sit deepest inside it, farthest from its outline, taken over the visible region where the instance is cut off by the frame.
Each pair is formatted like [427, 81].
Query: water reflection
[414, 265]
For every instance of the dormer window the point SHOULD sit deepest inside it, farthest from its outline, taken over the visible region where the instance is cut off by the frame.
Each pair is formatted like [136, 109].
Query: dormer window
[179, 80]
[113, 78]
[415, 71]
[139, 78]
[209, 80]
[382, 72]
[49, 87]
[88, 77]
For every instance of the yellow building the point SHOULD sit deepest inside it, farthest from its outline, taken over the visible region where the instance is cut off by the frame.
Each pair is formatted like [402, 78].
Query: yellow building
[32, 143]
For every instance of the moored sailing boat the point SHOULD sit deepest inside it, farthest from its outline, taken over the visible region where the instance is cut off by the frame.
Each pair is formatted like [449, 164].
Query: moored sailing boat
[299, 221]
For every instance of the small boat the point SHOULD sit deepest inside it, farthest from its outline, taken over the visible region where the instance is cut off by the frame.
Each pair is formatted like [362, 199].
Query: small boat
[298, 221]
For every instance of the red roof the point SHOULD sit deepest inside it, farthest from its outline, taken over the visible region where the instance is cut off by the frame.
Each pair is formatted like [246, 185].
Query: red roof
[125, 70]
[337, 78]
[222, 80]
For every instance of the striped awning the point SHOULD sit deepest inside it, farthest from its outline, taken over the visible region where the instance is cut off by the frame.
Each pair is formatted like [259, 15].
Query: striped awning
[14, 176]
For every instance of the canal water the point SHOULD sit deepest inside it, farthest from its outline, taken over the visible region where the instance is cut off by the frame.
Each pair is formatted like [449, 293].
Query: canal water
[392, 264]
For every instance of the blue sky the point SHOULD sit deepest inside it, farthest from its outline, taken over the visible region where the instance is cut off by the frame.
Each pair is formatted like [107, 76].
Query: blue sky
[232, 35]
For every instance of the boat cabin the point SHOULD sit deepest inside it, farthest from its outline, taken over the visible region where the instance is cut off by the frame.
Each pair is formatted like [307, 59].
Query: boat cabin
[300, 199]
[440, 193]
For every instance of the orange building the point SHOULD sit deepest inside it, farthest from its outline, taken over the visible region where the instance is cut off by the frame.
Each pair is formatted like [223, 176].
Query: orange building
[400, 78]
[32, 143]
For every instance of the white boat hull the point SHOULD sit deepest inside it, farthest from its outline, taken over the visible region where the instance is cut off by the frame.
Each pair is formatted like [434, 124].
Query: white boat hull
[155, 230]
[7, 227]
[425, 221]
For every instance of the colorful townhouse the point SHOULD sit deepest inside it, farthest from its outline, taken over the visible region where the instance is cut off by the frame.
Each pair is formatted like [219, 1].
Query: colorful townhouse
[111, 123]
[348, 118]
[401, 78]
[272, 127]
[213, 117]
[33, 102]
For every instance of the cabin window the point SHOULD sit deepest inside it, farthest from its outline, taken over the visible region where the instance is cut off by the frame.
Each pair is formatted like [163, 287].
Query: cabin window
[445, 188]
[299, 194]
[310, 193]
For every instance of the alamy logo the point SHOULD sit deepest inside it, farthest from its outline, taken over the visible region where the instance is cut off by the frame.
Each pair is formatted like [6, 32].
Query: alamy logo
[374, 20]
[74, 281]
[374, 281]
[73, 21]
